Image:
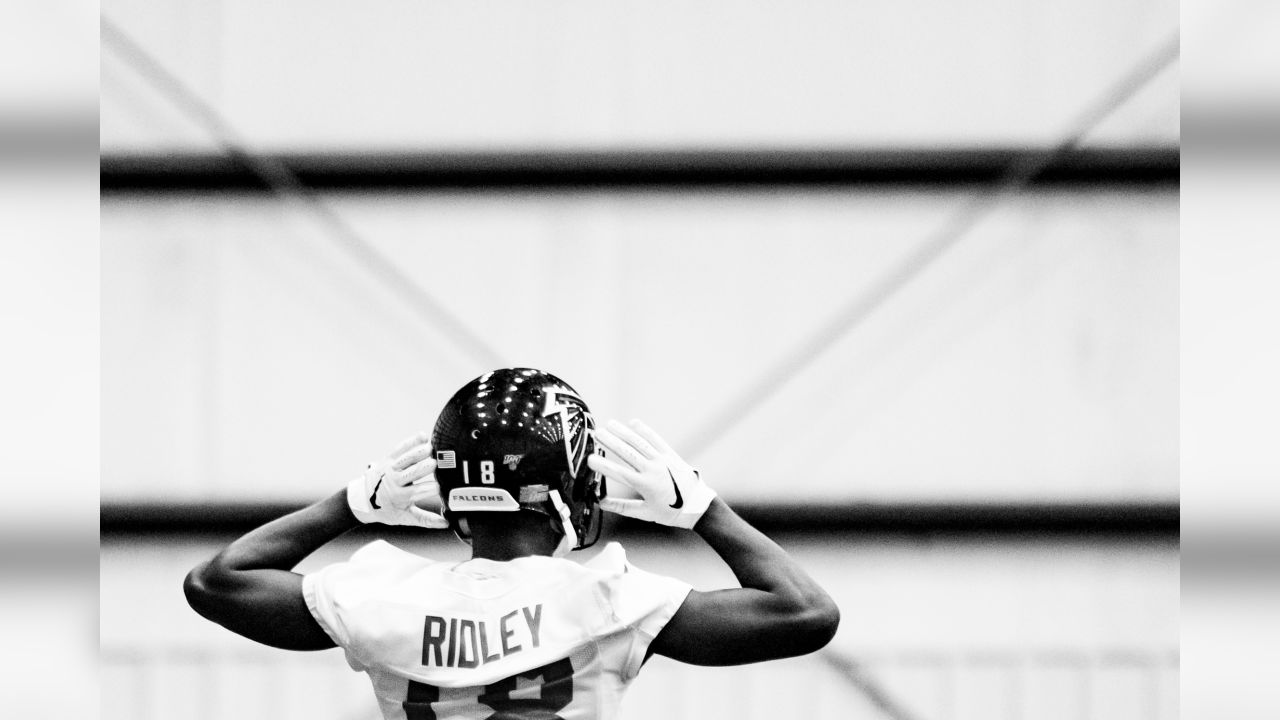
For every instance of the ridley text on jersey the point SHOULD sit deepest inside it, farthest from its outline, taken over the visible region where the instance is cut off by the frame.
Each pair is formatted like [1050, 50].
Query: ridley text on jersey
[469, 643]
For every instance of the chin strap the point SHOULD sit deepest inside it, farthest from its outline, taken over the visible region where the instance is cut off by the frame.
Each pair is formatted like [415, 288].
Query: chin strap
[568, 541]
[461, 530]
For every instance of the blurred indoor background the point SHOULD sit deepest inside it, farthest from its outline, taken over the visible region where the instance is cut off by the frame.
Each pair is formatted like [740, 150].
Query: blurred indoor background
[48, 356]
[900, 278]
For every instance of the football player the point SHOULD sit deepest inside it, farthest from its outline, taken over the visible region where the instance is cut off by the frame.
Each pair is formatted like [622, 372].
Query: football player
[517, 631]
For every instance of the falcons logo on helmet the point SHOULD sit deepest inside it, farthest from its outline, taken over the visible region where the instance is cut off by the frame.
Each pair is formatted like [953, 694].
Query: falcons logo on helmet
[576, 423]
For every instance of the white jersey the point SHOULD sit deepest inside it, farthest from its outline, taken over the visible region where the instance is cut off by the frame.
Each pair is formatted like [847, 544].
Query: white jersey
[535, 637]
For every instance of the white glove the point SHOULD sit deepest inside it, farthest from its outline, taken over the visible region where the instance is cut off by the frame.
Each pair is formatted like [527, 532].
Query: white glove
[672, 492]
[389, 491]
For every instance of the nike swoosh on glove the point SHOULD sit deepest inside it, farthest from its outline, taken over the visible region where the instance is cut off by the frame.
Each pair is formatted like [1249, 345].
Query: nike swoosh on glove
[671, 491]
[390, 491]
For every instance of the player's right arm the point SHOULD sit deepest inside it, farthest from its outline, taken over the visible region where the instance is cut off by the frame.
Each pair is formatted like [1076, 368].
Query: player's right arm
[250, 587]
[778, 612]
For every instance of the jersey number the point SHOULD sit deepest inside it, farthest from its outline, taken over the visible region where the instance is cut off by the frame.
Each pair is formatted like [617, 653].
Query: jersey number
[555, 694]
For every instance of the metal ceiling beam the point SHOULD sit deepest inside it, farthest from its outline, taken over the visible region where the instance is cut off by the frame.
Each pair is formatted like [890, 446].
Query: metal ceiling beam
[188, 172]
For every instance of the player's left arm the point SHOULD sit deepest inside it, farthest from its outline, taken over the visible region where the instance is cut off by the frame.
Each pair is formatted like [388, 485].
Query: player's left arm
[250, 587]
[779, 612]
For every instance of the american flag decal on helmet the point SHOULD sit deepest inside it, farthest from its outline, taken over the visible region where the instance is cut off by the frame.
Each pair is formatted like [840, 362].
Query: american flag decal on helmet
[576, 423]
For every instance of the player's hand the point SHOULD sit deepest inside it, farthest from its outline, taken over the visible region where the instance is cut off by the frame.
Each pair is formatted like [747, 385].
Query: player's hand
[671, 491]
[390, 491]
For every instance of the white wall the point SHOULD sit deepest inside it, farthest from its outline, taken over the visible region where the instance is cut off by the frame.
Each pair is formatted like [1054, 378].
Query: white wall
[49, 376]
[245, 357]
[324, 74]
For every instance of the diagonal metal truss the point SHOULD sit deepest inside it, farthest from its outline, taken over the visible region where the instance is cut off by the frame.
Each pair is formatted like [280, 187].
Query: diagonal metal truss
[855, 312]
[277, 175]
[854, 674]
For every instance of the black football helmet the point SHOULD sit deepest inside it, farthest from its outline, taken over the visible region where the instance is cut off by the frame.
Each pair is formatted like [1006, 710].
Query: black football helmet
[518, 439]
